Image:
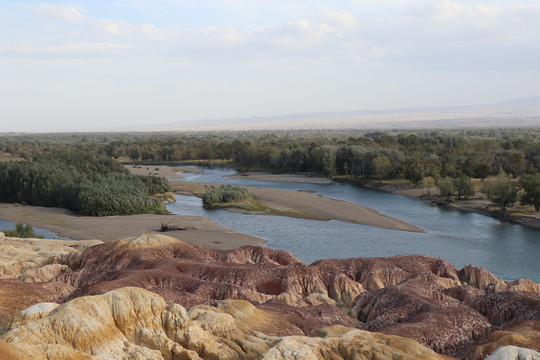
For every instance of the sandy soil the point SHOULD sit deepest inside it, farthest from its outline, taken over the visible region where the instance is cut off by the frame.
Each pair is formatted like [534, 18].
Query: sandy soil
[305, 205]
[168, 172]
[416, 192]
[201, 231]
[260, 176]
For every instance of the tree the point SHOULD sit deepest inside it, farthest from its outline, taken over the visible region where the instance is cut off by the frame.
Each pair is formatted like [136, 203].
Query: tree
[531, 186]
[23, 231]
[482, 171]
[383, 167]
[463, 187]
[428, 183]
[414, 171]
[501, 191]
[446, 187]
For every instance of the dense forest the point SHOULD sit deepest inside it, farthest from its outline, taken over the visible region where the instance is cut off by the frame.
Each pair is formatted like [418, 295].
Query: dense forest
[446, 158]
[378, 155]
[88, 185]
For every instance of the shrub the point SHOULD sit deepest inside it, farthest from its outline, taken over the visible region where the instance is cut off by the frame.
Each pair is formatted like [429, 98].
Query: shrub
[23, 231]
[224, 194]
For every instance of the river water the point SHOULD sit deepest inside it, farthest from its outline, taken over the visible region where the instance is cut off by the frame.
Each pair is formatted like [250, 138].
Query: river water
[509, 251]
[10, 225]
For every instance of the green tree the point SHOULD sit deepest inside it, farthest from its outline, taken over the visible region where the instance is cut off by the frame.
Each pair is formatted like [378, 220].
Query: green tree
[446, 187]
[428, 183]
[463, 187]
[482, 171]
[531, 187]
[501, 191]
[383, 167]
[414, 171]
[23, 231]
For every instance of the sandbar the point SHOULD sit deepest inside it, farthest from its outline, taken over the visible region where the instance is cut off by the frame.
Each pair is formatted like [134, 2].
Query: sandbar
[305, 205]
[294, 178]
[200, 230]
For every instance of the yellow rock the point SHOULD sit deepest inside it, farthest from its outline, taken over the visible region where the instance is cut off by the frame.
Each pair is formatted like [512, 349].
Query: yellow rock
[146, 241]
[132, 323]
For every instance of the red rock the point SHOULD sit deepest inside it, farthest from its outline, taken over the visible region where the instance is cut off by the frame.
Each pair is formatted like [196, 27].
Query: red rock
[419, 309]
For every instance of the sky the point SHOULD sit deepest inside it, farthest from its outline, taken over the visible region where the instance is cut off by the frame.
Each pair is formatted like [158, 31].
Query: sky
[98, 65]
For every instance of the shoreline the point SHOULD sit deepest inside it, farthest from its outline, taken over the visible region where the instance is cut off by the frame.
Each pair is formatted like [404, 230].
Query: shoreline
[481, 207]
[199, 230]
[306, 205]
[529, 221]
[293, 178]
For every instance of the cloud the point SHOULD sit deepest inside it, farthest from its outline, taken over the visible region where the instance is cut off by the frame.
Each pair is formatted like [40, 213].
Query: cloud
[68, 50]
[59, 13]
[341, 19]
[390, 32]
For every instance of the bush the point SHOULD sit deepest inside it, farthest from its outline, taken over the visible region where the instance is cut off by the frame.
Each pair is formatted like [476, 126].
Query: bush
[224, 194]
[23, 231]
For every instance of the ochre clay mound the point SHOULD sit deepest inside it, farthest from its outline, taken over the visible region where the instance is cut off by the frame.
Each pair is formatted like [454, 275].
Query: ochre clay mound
[465, 313]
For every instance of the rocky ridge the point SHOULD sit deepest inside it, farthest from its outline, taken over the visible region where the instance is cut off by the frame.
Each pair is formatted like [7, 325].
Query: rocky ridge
[328, 307]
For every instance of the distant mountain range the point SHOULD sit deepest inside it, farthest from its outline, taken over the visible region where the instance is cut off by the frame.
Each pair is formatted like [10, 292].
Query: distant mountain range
[523, 112]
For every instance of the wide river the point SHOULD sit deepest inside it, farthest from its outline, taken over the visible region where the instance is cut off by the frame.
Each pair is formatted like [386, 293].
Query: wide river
[509, 251]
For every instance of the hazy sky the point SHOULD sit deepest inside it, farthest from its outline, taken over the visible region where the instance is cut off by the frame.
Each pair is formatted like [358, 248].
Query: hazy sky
[75, 65]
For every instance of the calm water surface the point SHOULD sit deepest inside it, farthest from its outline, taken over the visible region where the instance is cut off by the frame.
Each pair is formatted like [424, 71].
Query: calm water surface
[509, 251]
[10, 225]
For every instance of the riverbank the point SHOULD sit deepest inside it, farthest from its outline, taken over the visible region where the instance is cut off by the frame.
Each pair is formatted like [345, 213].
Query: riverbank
[199, 230]
[522, 215]
[168, 172]
[294, 178]
[511, 215]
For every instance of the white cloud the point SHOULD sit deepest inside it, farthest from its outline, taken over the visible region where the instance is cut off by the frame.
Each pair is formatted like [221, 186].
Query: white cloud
[68, 50]
[341, 19]
[59, 13]
[394, 31]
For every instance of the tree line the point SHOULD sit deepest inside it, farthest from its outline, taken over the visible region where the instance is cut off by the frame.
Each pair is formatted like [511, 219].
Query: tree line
[357, 154]
[446, 158]
[88, 185]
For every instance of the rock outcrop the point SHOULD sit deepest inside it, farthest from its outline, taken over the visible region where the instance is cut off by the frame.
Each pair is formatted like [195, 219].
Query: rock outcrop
[514, 353]
[325, 307]
[132, 323]
[19, 256]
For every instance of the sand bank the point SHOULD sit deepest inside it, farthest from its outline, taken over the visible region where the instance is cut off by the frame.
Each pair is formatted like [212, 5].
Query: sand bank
[261, 176]
[168, 172]
[201, 231]
[305, 205]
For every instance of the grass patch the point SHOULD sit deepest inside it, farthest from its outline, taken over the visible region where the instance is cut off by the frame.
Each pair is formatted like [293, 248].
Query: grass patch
[9, 157]
[522, 210]
[250, 204]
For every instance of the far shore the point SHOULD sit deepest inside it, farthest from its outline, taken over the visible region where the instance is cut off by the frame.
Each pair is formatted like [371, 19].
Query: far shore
[478, 204]
[168, 172]
[199, 230]
[294, 178]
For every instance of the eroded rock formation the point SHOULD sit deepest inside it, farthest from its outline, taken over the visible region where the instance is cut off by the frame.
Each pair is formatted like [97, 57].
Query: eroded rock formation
[132, 323]
[465, 313]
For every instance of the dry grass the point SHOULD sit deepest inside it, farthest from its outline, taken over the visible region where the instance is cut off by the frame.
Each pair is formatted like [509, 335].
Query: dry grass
[9, 157]
[523, 210]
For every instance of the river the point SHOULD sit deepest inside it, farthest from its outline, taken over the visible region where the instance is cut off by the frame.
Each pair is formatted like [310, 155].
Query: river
[509, 251]
[10, 225]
